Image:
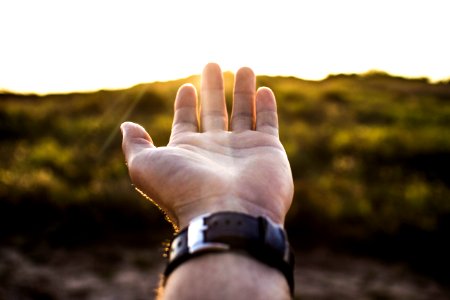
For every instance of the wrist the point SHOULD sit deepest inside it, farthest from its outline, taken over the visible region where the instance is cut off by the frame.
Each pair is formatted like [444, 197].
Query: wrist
[256, 237]
[186, 213]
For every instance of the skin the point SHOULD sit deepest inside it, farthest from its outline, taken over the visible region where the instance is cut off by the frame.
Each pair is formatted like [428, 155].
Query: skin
[214, 164]
[208, 168]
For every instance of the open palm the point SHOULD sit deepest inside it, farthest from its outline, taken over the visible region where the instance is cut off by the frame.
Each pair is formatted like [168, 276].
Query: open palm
[206, 168]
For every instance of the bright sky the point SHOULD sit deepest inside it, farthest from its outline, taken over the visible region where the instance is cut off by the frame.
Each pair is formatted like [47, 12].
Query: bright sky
[59, 46]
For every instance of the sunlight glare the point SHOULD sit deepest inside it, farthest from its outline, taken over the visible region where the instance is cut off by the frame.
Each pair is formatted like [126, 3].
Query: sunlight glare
[59, 46]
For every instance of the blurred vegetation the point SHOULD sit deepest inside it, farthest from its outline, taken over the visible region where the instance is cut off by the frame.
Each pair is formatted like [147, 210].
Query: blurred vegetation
[370, 156]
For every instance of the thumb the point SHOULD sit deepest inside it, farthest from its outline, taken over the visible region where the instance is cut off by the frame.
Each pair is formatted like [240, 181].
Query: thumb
[135, 139]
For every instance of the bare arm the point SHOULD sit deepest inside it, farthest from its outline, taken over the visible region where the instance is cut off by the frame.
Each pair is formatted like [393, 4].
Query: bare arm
[208, 168]
[225, 276]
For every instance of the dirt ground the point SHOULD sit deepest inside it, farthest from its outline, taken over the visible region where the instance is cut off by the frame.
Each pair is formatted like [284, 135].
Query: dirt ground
[122, 273]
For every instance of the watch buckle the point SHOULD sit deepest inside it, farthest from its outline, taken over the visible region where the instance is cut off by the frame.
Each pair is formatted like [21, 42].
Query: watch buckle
[196, 237]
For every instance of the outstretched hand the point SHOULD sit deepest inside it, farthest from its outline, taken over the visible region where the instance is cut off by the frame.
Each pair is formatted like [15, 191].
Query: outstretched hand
[208, 168]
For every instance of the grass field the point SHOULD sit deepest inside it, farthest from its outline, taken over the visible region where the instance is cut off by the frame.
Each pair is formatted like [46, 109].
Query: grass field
[370, 156]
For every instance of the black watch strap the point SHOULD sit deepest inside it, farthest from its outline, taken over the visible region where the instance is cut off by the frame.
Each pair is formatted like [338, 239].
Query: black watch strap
[257, 237]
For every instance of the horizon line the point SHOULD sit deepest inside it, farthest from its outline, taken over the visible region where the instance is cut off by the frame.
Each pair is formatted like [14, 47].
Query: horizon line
[428, 79]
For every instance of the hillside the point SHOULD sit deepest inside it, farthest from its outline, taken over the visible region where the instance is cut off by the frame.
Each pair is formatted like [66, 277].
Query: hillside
[370, 156]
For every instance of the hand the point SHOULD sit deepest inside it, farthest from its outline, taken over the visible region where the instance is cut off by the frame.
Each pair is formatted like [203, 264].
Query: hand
[206, 168]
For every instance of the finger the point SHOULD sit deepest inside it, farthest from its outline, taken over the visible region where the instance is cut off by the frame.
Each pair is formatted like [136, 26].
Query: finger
[243, 115]
[185, 117]
[266, 112]
[135, 140]
[213, 111]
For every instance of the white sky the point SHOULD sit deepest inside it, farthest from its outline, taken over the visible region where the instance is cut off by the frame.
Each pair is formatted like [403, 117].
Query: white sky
[58, 46]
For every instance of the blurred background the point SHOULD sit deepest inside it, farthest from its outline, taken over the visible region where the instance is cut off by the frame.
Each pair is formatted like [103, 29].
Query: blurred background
[363, 93]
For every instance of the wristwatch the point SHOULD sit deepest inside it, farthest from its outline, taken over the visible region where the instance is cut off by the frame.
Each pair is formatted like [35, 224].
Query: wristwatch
[257, 237]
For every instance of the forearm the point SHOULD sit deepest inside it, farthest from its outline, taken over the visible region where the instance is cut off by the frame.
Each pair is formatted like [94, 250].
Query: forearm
[227, 275]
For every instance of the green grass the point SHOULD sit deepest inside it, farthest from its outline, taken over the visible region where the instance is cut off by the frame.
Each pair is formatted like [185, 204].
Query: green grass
[370, 154]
